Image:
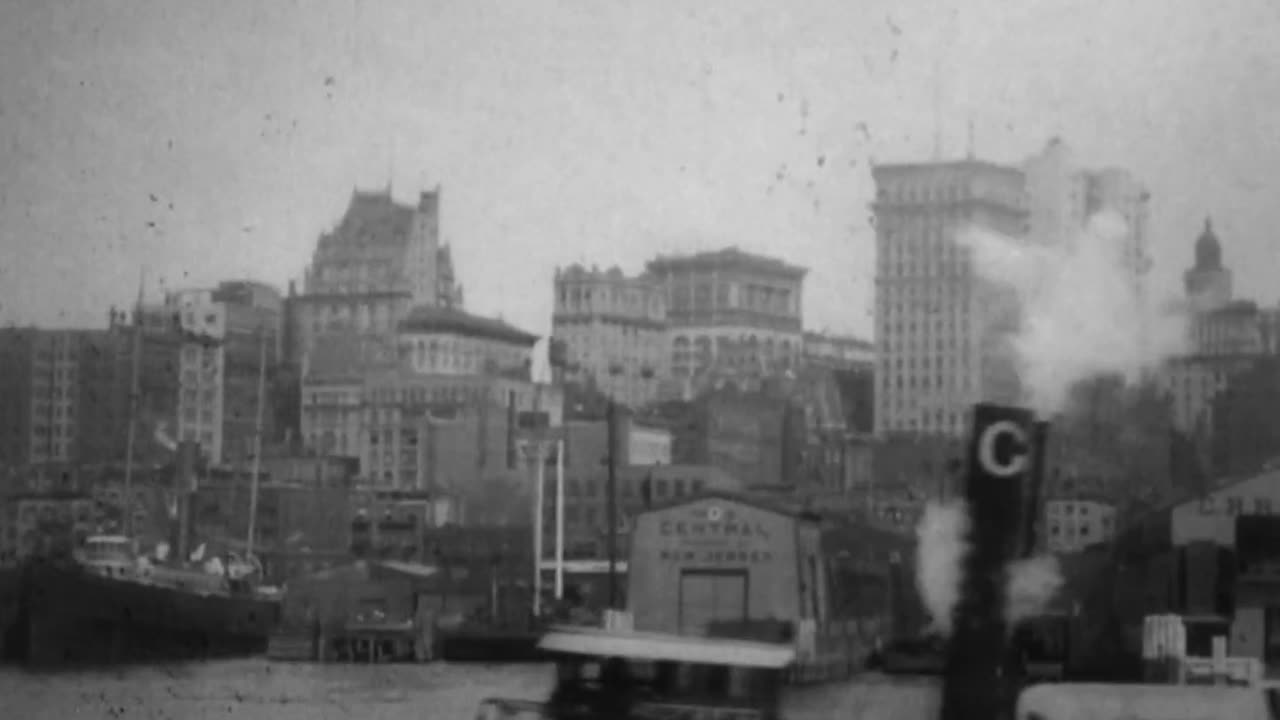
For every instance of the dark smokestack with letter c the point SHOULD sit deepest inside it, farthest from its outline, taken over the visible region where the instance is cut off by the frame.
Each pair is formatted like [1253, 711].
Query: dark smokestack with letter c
[1002, 492]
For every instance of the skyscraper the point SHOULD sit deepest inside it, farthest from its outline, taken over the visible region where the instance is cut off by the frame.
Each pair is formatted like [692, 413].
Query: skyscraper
[1062, 196]
[943, 333]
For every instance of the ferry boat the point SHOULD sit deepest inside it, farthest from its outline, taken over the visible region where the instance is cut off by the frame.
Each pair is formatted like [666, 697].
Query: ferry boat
[110, 604]
[622, 673]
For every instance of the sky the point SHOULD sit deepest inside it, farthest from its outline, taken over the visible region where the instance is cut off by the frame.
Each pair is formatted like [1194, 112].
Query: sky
[205, 141]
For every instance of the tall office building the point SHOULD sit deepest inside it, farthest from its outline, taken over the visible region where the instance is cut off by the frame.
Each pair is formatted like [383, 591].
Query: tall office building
[943, 333]
[1062, 196]
[225, 332]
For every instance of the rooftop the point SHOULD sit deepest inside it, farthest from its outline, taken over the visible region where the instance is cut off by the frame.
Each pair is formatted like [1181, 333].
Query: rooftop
[966, 165]
[835, 339]
[600, 642]
[431, 319]
[730, 256]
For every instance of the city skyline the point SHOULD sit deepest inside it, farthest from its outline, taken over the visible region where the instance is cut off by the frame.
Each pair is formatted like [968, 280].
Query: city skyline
[605, 134]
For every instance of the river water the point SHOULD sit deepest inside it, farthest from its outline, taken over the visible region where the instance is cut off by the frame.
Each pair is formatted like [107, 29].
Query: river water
[262, 690]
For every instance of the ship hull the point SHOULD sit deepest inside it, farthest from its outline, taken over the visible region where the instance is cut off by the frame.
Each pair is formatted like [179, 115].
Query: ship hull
[10, 609]
[71, 617]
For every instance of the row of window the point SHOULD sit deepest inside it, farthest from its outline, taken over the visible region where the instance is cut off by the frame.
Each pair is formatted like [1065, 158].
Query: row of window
[759, 298]
[597, 299]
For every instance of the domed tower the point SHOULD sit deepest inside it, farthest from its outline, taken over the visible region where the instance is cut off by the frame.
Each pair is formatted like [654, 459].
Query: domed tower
[1208, 283]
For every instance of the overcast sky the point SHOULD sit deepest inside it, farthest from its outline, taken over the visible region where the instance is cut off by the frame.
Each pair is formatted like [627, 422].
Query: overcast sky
[215, 140]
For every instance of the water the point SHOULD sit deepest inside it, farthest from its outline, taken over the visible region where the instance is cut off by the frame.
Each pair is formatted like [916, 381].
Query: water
[262, 690]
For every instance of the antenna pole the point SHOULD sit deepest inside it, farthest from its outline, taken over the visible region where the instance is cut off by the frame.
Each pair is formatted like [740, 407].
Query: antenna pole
[134, 393]
[257, 443]
[937, 110]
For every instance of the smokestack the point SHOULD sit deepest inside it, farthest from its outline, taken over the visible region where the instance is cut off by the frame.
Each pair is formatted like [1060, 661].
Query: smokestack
[1033, 515]
[1001, 460]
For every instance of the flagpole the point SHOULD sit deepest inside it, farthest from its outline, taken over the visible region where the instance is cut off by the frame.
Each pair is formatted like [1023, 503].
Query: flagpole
[539, 480]
[611, 504]
[559, 519]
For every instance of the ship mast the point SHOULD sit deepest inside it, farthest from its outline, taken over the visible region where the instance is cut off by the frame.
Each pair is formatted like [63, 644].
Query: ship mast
[257, 441]
[134, 392]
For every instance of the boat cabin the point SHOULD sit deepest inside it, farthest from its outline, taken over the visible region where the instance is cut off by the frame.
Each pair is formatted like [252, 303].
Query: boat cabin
[608, 673]
[109, 555]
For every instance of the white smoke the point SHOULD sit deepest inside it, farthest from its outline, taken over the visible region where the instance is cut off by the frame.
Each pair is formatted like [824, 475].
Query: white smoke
[943, 535]
[1031, 585]
[943, 544]
[1082, 313]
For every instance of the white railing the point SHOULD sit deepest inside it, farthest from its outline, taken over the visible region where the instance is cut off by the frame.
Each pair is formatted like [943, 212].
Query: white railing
[1222, 670]
[1164, 643]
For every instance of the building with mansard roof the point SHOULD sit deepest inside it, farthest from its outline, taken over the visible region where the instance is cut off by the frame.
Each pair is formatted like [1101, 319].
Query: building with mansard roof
[382, 259]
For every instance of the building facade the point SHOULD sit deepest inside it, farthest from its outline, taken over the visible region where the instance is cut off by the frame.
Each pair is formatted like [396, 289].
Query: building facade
[1227, 337]
[203, 324]
[614, 329]
[943, 333]
[442, 363]
[448, 341]
[639, 487]
[42, 375]
[1246, 420]
[730, 313]
[65, 394]
[382, 259]
[649, 445]
[392, 422]
[43, 525]
[251, 343]
[230, 345]
[1072, 524]
[1063, 196]
[840, 351]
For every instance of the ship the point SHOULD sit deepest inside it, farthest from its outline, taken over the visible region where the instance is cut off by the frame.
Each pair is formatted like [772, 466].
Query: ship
[109, 605]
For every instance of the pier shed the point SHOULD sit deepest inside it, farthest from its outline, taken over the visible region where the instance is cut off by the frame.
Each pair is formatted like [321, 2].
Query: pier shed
[721, 559]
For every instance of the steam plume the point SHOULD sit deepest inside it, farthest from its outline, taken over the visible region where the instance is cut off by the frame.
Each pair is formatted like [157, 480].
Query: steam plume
[1032, 583]
[943, 543]
[1082, 314]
